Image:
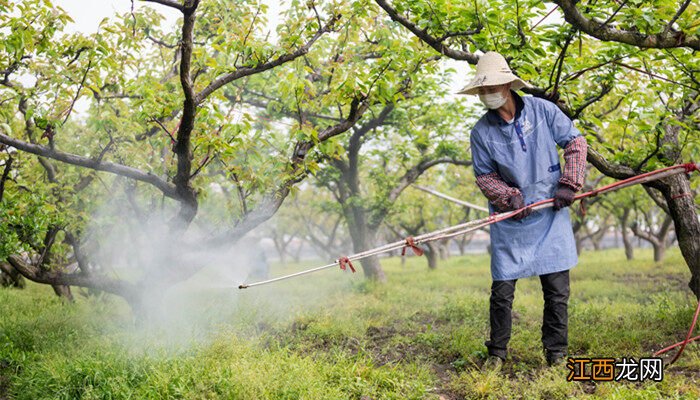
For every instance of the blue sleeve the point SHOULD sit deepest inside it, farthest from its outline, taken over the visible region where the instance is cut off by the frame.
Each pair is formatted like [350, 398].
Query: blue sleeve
[561, 127]
[481, 160]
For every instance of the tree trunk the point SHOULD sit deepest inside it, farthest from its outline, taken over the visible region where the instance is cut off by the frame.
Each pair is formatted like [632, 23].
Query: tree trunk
[462, 244]
[595, 242]
[681, 205]
[659, 252]
[372, 269]
[432, 253]
[444, 249]
[658, 239]
[64, 292]
[297, 254]
[597, 237]
[579, 243]
[629, 248]
[362, 239]
[281, 252]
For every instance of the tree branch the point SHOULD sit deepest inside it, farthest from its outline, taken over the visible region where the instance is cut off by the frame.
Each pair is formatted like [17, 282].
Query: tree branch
[643, 235]
[5, 174]
[651, 75]
[169, 3]
[590, 100]
[422, 34]
[121, 288]
[416, 171]
[408, 178]
[675, 17]
[286, 112]
[167, 188]
[658, 198]
[273, 200]
[246, 71]
[595, 28]
[160, 42]
[77, 92]
[354, 143]
[80, 257]
[616, 171]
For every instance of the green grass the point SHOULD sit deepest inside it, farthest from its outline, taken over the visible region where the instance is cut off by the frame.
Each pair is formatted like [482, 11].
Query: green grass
[333, 336]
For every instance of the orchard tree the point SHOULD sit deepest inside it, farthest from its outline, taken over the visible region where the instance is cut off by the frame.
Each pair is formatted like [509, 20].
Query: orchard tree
[390, 148]
[418, 212]
[325, 232]
[460, 184]
[651, 223]
[621, 206]
[163, 135]
[389, 153]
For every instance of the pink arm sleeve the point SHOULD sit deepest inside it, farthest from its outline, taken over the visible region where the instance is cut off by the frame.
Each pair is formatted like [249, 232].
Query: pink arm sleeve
[496, 190]
[574, 164]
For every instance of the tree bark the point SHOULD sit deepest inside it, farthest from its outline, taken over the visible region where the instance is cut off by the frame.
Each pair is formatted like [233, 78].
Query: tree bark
[9, 276]
[124, 289]
[579, 243]
[462, 243]
[444, 249]
[658, 239]
[63, 291]
[624, 222]
[677, 193]
[362, 239]
[431, 253]
[597, 237]
[659, 252]
[372, 269]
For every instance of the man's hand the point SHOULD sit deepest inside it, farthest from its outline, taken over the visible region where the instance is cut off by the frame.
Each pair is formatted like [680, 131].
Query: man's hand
[516, 202]
[563, 197]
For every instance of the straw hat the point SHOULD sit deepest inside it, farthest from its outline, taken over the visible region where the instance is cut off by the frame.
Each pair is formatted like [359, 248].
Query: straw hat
[492, 69]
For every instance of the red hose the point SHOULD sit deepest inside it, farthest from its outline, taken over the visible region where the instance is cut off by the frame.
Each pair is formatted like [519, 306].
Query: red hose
[687, 340]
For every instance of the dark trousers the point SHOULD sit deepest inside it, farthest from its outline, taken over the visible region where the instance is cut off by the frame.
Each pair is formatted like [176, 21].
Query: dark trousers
[555, 289]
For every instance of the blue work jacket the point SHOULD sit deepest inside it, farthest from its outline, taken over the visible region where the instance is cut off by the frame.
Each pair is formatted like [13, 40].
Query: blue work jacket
[524, 154]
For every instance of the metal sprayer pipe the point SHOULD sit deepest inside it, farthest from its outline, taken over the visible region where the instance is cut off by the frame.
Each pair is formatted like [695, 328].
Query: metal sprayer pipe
[308, 271]
[450, 198]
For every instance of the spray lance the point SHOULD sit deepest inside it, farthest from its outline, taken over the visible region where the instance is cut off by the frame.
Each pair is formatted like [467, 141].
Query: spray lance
[345, 262]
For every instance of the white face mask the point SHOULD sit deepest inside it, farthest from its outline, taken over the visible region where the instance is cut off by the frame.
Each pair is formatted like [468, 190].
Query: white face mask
[493, 100]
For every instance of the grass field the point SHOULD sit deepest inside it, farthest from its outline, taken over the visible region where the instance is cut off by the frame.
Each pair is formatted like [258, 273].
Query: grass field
[333, 336]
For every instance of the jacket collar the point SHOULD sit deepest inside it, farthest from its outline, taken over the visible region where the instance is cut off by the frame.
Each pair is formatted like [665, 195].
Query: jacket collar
[496, 118]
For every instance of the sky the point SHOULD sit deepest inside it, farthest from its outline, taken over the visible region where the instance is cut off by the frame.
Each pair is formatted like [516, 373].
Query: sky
[87, 16]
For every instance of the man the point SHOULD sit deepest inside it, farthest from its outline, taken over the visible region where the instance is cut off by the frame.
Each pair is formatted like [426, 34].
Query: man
[515, 158]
